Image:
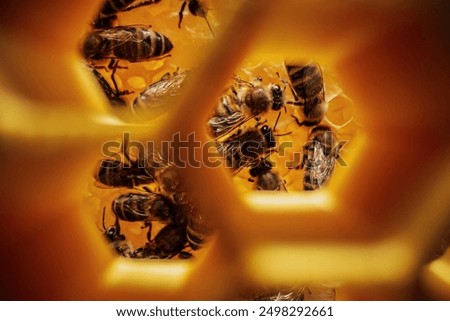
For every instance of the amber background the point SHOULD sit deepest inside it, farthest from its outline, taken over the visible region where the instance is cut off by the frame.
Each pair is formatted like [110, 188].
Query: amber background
[378, 223]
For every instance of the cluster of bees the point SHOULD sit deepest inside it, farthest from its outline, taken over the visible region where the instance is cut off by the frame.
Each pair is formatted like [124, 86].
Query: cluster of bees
[135, 43]
[250, 146]
[154, 190]
[167, 203]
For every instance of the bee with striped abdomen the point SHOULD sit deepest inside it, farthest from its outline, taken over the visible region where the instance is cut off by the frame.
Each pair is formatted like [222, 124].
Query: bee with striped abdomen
[319, 157]
[308, 89]
[170, 241]
[132, 43]
[264, 178]
[115, 173]
[135, 207]
[108, 11]
[246, 146]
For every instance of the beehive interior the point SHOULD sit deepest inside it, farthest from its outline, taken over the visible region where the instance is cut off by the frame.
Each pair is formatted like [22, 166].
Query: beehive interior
[326, 237]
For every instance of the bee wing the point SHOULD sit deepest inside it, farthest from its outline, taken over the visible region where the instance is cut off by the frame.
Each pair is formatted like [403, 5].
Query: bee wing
[237, 120]
[157, 93]
[221, 125]
[122, 36]
[128, 208]
[323, 171]
[119, 35]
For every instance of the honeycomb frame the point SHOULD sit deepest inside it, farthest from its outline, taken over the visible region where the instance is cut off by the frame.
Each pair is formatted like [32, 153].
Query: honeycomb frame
[374, 232]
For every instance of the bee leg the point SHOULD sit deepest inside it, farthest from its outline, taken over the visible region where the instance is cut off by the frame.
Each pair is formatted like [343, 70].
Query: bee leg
[244, 82]
[99, 67]
[185, 255]
[259, 122]
[140, 4]
[149, 232]
[114, 65]
[180, 14]
[297, 121]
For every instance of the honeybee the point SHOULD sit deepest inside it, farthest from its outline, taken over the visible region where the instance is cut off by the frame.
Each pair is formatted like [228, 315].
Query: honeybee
[309, 92]
[196, 8]
[246, 146]
[170, 241]
[170, 182]
[108, 12]
[113, 96]
[116, 239]
[266, 180]
[135, 207]
[198, 229]
[132, 43]
[226, 116]
[154, 98]
[236, 108]
[115, 173]
[259, 99]
[319, 156]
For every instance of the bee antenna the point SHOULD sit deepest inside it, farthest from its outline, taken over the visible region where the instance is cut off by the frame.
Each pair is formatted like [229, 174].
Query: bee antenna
[209, 26]
[103, 218]
[276, 122]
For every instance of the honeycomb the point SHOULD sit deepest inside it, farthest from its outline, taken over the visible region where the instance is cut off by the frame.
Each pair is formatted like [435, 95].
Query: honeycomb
[369, 233]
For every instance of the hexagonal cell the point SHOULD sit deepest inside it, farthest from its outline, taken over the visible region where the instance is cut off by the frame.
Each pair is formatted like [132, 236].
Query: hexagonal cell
[283, 126]
[136, 52]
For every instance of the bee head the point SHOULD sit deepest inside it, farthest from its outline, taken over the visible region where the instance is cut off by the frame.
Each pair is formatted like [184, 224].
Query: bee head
[269, 137]
[277, 97]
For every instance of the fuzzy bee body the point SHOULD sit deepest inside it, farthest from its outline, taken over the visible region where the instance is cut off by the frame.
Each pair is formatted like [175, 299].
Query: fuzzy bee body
[319, 157]
[308, 89]
[237, 107]
[265, 179]
[244, 148]
[169, 241]
[133, 43]
[114, 173]
[133, 207]
[260, 100]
